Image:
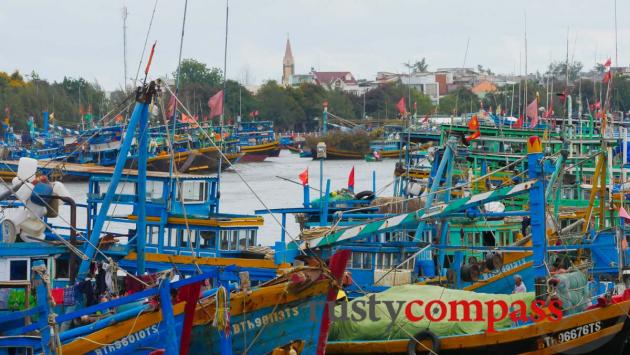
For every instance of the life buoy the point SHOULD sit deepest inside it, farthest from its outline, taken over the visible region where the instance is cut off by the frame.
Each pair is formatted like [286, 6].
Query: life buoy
[425, 334]
[364, 195]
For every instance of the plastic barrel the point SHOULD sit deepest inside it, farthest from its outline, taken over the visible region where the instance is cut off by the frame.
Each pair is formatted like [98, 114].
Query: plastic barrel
[426, 267]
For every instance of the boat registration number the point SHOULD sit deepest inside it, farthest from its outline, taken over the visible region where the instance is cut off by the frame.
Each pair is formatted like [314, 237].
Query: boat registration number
[572, 334]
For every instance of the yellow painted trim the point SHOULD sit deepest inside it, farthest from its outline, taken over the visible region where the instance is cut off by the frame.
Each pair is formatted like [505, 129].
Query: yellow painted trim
[117, 331]
[212, 222]
[187, 259]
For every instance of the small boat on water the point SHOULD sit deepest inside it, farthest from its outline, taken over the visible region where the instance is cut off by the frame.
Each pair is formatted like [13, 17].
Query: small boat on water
[257, 141]
[201, 270]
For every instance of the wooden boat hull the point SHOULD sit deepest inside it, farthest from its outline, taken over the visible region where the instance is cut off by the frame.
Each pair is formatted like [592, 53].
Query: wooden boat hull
[260, 152]
[601, 329]
[280, 317]
[204, 161]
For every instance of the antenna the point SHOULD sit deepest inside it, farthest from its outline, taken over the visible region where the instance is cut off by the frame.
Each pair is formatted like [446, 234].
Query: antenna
[526, 75]
[616, 55]
[124, 17]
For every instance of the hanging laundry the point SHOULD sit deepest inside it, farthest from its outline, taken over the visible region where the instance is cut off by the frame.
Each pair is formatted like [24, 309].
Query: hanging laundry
[57, 295]
[101, 286]
[86, 288]
[68, 296]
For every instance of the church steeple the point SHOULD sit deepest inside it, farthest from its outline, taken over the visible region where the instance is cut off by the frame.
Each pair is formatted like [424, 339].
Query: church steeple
[288, 66]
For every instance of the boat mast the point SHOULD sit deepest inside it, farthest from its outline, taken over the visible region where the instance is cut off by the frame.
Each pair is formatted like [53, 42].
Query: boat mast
[526, 75]
[124, 17]
[174, 117]
[222, 117]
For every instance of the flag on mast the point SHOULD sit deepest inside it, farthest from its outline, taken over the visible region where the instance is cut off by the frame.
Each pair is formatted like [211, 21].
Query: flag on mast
[304, 177]
[401, 106]
[351, 180]
[216, 104]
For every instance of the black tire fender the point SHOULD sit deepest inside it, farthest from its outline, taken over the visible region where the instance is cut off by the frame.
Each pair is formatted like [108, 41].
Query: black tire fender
[425, 334]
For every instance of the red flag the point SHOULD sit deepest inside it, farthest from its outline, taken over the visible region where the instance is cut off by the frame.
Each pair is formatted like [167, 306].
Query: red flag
[607, 77]
[304, 177]
[172, 105]
[216, 104]
[519, 122]
[476, 134]
[532, 112]
[598, 105]
[607, 63]
[146, 70]
[351, 180]
[256, 113]
[402, 108]
[473, 124]
[415, 106]
[81, 110]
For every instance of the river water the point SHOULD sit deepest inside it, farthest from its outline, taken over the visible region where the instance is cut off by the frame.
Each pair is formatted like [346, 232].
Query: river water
[236, 197]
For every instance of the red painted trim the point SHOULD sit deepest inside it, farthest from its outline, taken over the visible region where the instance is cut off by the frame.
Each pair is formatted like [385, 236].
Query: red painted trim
[189, 293]
[337, 266]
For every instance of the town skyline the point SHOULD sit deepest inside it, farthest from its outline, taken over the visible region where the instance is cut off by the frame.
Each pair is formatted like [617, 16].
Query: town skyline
[256, 47]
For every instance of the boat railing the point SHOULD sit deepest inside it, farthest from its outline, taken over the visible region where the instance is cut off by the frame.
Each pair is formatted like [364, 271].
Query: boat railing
[42, 312]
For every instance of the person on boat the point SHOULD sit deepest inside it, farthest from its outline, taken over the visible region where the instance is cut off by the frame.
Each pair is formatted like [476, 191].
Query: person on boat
[519, 286]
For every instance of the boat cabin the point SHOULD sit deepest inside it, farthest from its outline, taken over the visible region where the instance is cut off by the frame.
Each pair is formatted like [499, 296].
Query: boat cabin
[183, 216]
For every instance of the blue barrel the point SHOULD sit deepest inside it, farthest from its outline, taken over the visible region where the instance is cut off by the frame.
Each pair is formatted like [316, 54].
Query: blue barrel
[426, 268]
[41, 194]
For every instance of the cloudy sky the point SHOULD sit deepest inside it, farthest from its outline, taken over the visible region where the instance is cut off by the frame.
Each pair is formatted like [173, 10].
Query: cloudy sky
[85, 38]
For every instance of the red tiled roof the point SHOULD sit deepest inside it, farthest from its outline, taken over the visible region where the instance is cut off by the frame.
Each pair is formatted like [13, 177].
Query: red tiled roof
[327, 77]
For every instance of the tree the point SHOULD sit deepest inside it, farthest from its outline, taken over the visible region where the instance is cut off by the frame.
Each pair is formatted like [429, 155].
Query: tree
[559, 70]
[278, 104]
[420, 66]
[194, 72]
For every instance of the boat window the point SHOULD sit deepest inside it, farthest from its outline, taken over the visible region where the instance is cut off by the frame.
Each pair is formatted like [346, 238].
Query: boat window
[172, 241]
[361, 260]
[184, 236]
[152, 234]
[242, 239]
[357, 258]
[208, 239]
[225, 243]
[18, 270]
[62, 268]
[234, 240]
[192, 191]
[154, 189]
[252, 238]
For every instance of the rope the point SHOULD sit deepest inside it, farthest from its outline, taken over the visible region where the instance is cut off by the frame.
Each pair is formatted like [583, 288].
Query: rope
[237, 173]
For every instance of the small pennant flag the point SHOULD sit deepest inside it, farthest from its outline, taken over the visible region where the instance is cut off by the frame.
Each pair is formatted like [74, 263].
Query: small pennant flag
[401, 106]
[624, 214]
[304, 177]
[351, 180]
[473, 124]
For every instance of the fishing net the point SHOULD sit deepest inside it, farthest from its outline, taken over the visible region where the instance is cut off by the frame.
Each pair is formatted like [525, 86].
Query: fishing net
[571, 288]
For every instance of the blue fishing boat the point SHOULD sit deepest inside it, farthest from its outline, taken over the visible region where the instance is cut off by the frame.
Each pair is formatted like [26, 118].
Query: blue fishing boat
[123, 325]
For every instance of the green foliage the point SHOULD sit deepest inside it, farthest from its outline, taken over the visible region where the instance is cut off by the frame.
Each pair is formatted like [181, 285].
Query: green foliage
[26, 98]
[420, 66]
[355, 141]
[559, 70]
[279, 105]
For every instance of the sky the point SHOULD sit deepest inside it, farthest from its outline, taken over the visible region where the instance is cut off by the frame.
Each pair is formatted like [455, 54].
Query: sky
[85, 38]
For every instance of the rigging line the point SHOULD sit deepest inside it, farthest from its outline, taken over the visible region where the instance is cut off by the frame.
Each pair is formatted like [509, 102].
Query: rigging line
[441, 190]
[251, 189]
[169, 146]
[179, 64]
[72, 248]
[77, 148]
[144, 48]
